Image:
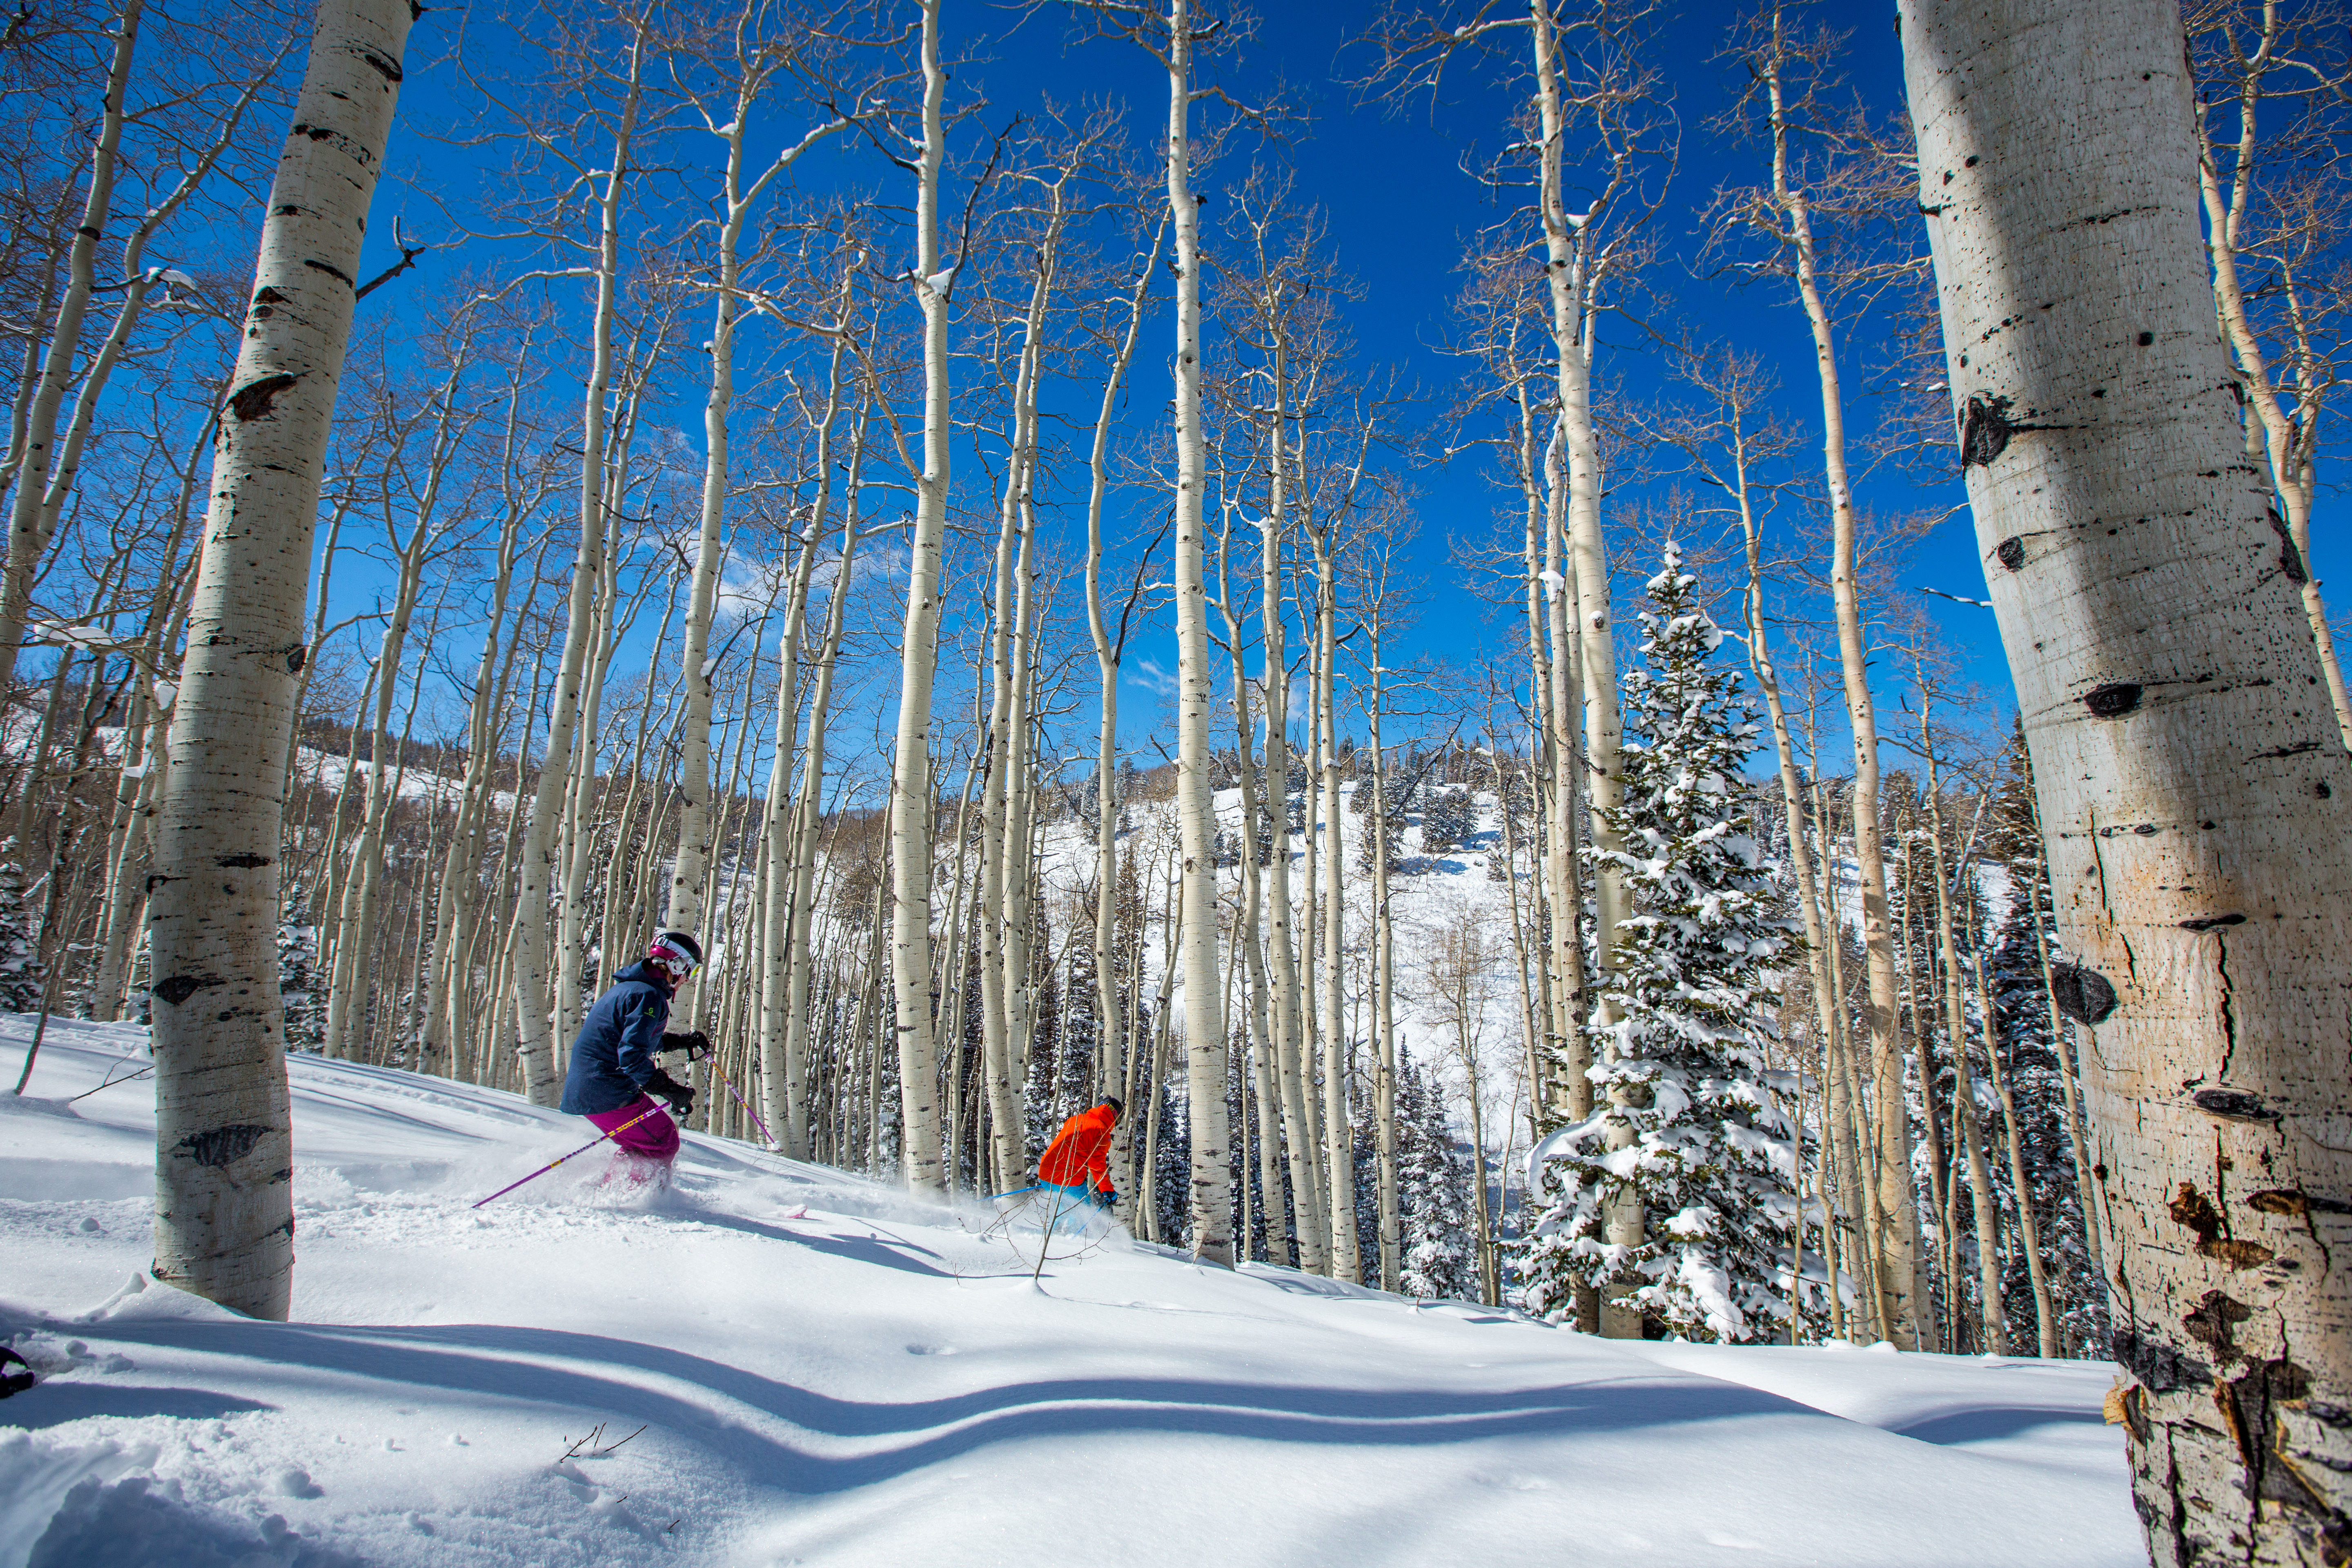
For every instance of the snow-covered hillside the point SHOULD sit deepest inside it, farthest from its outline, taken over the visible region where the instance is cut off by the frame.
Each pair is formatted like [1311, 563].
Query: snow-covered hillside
[826, 1374]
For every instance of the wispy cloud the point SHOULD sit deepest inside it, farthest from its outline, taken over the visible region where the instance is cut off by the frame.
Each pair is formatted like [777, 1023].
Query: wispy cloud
[1154, 677]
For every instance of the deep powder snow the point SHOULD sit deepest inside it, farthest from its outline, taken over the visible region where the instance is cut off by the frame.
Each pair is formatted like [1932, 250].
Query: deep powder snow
[816, 1370]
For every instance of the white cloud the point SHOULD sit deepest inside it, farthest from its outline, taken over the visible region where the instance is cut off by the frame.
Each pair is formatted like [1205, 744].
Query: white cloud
[1154, 677]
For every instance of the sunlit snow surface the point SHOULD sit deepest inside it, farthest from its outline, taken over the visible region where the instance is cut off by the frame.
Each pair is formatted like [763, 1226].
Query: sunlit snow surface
[827, 1373]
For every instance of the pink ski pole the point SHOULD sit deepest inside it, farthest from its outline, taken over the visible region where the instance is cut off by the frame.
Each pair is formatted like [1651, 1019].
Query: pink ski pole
[616, 1132]
[766, 1136]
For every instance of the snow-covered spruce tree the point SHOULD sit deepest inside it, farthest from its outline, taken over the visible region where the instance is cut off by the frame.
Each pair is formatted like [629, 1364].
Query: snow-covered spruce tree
[1434, 1194]
[21, 973]
[1693, 997]
[1447, 819]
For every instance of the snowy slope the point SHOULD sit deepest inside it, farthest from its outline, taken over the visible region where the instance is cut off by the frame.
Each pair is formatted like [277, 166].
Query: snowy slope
[826, 1374]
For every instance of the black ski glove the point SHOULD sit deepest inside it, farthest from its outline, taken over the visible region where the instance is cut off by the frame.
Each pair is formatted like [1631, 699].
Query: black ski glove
[696, 1045]
[661, 1086]
[1106, 1198]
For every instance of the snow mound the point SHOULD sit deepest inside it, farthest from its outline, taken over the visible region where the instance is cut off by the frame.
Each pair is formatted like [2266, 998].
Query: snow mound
[777, 1362]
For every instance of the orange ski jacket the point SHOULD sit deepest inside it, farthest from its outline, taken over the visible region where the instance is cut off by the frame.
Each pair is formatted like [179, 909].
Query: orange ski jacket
[1081, 1149]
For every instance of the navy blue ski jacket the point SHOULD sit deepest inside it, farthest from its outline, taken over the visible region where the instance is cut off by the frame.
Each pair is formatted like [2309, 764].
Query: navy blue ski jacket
[614, 1053]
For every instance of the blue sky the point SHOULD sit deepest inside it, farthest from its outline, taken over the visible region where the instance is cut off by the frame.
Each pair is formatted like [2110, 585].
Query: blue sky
[1399, 205]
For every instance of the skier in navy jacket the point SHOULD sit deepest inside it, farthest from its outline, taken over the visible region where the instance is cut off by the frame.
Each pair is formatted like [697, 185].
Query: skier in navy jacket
[615, 1075]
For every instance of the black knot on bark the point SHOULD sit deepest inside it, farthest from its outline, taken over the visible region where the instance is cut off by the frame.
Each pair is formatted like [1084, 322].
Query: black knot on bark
[221, 1145]
[2158, 1367]
[180, 987]
[2290, 558]
[2213, 922]
[1985, 429]
[255, 398]
[2114, 699]
[2010, 552]
[2082, 994]
[2232, 1104]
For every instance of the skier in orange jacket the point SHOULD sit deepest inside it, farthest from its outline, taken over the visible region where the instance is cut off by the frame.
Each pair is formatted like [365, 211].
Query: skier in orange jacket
[1080, 1150]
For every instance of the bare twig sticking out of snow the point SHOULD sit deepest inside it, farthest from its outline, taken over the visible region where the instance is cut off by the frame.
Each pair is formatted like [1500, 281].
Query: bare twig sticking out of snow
[588, 1447]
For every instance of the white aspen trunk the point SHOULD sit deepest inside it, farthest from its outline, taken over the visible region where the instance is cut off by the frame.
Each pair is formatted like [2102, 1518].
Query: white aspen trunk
[147, 733]
[791, 819]
[1019, 849]
[1384, 1082]
[355, 961]
[37, 448]
[1889, 1155]
[1109, 651]
[1204, 1028]
[1793, 801]
[685, 912]
[2193, 791]
[1897, 1244]
[1847, 1108]
[1338, 1125]
[910, 786]
[460, 894]
[1310, 952]
[1563, 706]
[1292, 1068]
[584, 804]
[534, 1030]
[1001, 850]
[1566, 256]
[1547, 1042]
[223, 1202]
[1992, 1316]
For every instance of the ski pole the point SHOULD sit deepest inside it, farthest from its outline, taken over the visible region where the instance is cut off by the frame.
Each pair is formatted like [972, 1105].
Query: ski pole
[616, 1132]
[764, 1135]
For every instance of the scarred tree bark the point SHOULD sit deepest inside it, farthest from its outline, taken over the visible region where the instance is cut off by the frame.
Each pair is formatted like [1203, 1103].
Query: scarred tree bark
[2194, 791]
[223, 1140]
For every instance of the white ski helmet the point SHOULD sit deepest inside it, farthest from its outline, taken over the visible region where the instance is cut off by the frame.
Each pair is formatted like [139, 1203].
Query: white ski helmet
[676, 952]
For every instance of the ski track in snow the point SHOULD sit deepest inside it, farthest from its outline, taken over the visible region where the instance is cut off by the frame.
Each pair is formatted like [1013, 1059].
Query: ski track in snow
[829, 1374]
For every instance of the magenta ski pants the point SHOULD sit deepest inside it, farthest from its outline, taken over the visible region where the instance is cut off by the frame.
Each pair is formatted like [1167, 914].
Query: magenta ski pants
[655, 1138]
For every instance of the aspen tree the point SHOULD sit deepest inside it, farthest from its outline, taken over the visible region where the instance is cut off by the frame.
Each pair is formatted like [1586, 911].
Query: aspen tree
[35, 449]
[1174, 40]
[1110, 649]
[223, 1208]
[2289, 434]
[1338, 1125]
[757, 61]
[147, 726]
[535, 1019]
[1005, 908]
[2193, 794]
[355, 956]
[790, 914]
[934, 280]
[1788, 216]
[522, 492]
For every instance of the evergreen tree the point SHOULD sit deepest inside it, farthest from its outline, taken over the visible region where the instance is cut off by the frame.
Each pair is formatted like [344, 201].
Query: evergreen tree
[304, 998]
[2021, 1004]
[1432, 1195]
[22, 976]
[1447, 819]
[1695, 997]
